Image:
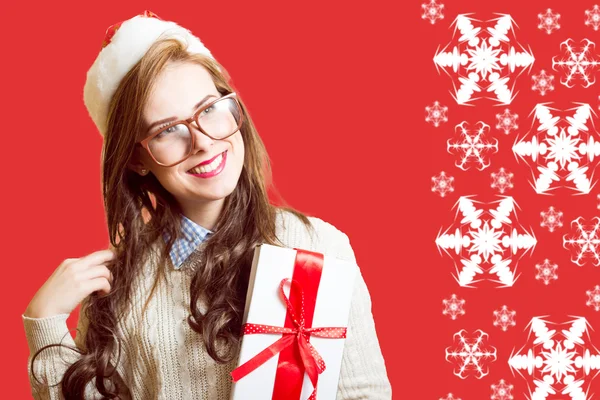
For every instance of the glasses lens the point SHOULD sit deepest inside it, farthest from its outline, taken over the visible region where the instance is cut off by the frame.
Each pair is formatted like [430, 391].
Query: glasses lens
[174, 143]
[220, 119]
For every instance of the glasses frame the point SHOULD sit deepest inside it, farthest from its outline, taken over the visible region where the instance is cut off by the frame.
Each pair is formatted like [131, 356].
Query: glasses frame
[188, 122]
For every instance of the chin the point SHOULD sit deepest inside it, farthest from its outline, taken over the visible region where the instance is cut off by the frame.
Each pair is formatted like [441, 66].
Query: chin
[218, 194]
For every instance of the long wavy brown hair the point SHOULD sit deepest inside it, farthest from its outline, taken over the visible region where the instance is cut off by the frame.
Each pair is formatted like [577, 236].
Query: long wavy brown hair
[139, 210]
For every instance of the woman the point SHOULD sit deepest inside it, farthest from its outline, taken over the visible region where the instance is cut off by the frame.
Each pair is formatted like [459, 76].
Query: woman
[185, 178]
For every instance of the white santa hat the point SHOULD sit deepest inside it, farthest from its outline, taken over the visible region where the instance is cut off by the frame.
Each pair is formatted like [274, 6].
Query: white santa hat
[124, 45]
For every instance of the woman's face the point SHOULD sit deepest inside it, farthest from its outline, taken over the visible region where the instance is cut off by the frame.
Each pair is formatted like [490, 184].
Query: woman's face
[178, 89]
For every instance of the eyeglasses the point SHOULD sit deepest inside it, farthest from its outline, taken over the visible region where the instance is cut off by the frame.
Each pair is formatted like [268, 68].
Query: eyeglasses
[173, 143]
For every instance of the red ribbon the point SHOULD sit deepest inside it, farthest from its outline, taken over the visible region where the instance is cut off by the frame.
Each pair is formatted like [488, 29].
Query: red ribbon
[294, 360]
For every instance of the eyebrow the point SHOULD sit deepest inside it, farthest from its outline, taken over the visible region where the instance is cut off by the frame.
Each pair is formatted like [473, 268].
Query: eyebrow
[162, 121]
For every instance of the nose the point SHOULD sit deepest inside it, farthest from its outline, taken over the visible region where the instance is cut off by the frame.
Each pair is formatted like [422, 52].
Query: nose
[201, 141]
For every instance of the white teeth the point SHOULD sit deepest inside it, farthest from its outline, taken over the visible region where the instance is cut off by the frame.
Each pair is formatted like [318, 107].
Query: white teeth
[208, 168]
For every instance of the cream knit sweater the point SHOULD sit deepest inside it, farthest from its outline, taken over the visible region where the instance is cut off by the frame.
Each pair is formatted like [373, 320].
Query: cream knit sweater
[163, 358]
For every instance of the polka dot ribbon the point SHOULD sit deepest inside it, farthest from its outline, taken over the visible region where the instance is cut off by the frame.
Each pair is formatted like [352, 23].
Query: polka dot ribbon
[311, 359]
[110, 32]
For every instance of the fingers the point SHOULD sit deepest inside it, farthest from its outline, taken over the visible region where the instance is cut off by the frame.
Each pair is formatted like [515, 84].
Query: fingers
[97, 257]
[97, 271]
[99, 284]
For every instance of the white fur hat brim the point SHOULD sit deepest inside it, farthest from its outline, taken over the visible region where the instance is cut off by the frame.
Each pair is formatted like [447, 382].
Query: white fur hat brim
[127, 46]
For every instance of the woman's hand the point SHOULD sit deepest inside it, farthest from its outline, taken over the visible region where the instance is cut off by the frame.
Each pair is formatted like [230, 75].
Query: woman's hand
[70, 283]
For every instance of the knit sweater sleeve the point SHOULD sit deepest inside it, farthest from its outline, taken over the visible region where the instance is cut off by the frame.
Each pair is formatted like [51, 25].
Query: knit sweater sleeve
[363, 373]
[51, 363]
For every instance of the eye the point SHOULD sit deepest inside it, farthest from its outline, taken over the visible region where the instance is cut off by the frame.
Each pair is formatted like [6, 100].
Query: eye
[207, 110]
[168, 130]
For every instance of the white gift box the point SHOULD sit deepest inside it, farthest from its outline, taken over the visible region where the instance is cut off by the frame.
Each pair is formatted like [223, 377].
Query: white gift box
[264, 305]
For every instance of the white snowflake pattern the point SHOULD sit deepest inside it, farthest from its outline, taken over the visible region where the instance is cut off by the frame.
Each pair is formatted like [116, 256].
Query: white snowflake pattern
[484, 59]
[502, 180]
[480, 239]
[584, 242]
[453, 307]
[471, 354]
[507, 121]
[557, 361]
[560, 149]
[577, 62]
[542, 83]
[551, 219]
[472, 146]
[450, 396]
[505, 318]
[593, 298]
[546, 271]
[436, 114]
[592, 17]
[549, 21]
[442, 184]
[502, 391]
[598, 199]
[432, 11]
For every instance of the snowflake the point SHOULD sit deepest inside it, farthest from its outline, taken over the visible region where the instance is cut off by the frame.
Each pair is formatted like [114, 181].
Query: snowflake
[501, 391]
[542, 83]
[594, 298]
[557, 361]
[593, 17]
[507, 121]
[505, 318]
[472, 145]
[453, 307]
[546, 271]
[450, 396]
[501, 180]
[549, 21]
[478, 239]
[432, 11]
[561, 149]
[598, 198]
[436, 114]
[471, 354]
[584, 242]
[551, 219]
[442, 184]
[577, 62]
[485, 59]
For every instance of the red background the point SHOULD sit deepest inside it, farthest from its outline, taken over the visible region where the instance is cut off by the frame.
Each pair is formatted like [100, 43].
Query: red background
[337, 92]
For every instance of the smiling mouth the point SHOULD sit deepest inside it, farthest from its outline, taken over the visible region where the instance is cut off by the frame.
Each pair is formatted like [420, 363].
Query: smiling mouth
[210, 169]
[207, 167]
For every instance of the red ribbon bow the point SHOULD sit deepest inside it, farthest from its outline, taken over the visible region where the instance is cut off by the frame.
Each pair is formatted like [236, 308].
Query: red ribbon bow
[110, 32]
[312, 361]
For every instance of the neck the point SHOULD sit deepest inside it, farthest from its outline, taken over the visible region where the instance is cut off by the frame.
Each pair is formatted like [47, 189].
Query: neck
[204, 213]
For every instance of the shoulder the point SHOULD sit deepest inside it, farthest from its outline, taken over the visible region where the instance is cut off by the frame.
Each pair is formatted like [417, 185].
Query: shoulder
[320, 236]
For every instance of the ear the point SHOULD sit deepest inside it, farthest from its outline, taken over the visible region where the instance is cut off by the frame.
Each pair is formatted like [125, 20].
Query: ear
[138, 166]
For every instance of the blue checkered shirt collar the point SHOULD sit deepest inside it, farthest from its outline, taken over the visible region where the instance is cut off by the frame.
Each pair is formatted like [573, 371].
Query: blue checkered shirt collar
[193, 235]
